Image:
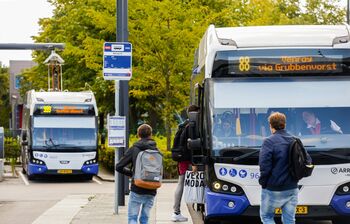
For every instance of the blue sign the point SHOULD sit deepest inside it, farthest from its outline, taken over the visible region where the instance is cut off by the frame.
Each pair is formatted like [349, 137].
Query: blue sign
[233, 172]
[243, 173]
[117, 61]
[223, 171]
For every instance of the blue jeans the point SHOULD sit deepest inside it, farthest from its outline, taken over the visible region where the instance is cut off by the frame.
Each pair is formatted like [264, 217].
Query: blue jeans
[134, 206]
[286, 200]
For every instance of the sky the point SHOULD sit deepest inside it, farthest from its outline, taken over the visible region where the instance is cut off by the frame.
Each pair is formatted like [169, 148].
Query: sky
[19, 21]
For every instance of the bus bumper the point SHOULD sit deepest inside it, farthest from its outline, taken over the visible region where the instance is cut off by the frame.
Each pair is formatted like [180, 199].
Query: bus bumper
[341, 204]
[42, 169]
[90, 169]
[36, 169]
[224, 205]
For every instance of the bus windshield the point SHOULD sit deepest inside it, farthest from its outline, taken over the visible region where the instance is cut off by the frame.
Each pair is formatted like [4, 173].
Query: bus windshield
[241, 110]
[64, 132]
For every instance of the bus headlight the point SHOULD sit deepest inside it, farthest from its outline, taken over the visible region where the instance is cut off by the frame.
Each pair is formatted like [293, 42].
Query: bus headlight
[233, 189]
[225, 187]
[37, 162]
[220, 186]
[216, 185]
[343, 189]
[90, 162]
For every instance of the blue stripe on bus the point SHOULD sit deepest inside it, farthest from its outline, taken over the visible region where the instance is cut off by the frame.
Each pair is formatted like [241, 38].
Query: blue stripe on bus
[217, 204]
[36, 169]
[339, 204]
[90, 169]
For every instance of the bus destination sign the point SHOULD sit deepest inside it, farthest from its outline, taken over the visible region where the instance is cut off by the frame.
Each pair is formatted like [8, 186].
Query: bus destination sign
[286, 64]
[64, 109]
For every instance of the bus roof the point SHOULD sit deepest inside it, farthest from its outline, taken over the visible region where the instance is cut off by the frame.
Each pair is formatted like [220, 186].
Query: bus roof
[284, 36]
[34, 98]
[272, 37]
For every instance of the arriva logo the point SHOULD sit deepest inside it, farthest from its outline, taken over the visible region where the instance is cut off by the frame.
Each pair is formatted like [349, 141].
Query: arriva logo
[344, 170]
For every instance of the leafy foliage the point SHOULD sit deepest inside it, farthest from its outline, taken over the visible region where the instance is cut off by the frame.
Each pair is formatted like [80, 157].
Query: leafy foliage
[12, 151]
[106, 156]
[4, 97]
[164, 34]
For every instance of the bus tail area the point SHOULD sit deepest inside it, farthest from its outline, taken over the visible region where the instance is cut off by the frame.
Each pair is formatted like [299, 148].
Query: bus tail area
[59, 134]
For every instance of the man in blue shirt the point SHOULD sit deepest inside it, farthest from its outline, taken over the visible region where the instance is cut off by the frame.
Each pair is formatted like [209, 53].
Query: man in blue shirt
[279, 188]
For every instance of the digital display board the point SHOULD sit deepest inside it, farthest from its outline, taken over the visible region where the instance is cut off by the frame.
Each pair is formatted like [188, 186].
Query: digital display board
[49, 109]
[281, 62]
[285, 64]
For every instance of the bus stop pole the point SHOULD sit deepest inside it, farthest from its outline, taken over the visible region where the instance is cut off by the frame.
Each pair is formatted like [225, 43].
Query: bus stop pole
[121, 100]
[116, 152]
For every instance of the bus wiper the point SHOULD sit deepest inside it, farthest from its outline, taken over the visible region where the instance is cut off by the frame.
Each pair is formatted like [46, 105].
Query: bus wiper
[52, 143]
[334, 155]
[253, 149]
[246, 155]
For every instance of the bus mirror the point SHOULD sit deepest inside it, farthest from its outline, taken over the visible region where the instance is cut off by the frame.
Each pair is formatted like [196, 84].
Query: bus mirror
[193, 117]
[24, 143]
[194, 144]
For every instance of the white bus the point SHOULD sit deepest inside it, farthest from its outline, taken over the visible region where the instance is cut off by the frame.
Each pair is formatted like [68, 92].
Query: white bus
[59, 134]
[241, 75]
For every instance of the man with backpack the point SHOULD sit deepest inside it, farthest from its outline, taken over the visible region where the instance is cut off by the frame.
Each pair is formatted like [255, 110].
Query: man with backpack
[279, 174]
[146, 172]
[182, 155]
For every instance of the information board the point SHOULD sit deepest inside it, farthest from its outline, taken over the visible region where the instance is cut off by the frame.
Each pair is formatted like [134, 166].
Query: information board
[116, 131]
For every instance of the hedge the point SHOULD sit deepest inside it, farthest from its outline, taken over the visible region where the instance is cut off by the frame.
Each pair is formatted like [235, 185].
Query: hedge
[106, 156]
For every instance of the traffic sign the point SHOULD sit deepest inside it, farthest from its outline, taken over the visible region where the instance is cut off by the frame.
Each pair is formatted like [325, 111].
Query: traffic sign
[117, 61]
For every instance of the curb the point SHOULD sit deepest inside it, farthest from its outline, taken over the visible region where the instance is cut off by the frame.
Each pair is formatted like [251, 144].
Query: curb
[112, 180]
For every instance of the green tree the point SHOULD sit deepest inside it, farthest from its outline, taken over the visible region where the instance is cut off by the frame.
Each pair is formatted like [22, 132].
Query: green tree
[164, 35]
[4, 97]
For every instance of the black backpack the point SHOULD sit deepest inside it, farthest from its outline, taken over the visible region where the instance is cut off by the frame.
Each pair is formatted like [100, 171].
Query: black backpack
[179, 150]
[300, 164]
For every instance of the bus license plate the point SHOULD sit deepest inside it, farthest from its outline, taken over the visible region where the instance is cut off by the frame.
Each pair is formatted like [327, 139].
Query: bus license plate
[300, 210]
[64, 171]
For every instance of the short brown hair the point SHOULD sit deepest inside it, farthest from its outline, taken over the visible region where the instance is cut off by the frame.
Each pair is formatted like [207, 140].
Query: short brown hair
[277, 120]
[144, 131]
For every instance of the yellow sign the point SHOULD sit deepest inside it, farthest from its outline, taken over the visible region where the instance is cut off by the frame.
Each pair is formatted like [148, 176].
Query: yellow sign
[300, 210]
[244, 64]
[47, 109]
[64, 171]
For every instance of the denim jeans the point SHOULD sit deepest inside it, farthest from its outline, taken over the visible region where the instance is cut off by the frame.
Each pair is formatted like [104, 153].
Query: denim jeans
[137, 202]
[286, 200]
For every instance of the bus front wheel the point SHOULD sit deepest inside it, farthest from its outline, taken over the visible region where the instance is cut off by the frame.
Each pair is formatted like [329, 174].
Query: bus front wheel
[341, 220]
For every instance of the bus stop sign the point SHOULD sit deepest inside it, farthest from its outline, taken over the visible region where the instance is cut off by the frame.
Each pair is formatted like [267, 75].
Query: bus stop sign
[117, 60]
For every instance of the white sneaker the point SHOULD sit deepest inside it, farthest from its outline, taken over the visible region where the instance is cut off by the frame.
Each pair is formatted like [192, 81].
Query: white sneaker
[178, 218]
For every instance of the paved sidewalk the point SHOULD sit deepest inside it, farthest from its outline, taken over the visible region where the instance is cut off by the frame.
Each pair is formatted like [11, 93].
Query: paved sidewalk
[100, 209]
